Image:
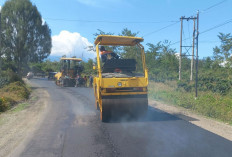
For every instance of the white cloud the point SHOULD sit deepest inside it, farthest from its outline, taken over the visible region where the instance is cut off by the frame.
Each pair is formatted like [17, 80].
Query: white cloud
[71, 44]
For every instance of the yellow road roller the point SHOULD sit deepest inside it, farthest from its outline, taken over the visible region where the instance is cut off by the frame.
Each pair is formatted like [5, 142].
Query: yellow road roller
[122, 79]
[68, 72]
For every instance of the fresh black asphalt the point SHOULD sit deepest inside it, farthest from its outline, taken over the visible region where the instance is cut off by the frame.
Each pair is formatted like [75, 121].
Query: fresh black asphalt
[72, 128]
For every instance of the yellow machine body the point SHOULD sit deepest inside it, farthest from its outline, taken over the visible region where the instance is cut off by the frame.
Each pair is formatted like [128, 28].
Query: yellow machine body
[58, 75]
[116, 92]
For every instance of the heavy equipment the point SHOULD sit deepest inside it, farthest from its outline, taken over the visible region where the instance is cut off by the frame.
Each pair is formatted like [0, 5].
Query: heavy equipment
[51, 75]
[120, 87]
[68, 72]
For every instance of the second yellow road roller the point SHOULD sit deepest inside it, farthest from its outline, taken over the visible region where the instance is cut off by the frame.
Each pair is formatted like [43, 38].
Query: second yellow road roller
[122, 77]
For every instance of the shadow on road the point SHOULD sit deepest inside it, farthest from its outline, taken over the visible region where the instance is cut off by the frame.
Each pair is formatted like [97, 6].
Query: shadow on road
[152, 115]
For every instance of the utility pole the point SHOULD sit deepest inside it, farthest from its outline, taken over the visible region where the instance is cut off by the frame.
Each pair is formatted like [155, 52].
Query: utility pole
[191, 75]
[0, 42]
[181, 45]
[196, 80]
[181, 29]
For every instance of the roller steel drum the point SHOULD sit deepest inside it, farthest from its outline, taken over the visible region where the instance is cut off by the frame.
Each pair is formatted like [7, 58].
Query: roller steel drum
[121, 105]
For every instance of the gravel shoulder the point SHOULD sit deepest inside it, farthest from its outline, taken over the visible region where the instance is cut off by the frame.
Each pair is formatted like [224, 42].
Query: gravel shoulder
[17, 126]
[216, 127]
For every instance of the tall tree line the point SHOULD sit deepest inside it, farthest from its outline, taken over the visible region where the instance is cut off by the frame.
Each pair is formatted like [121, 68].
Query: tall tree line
[24, 36]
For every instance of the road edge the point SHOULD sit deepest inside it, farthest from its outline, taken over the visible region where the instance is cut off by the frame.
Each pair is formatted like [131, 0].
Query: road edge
[29, 120]
[222, 129]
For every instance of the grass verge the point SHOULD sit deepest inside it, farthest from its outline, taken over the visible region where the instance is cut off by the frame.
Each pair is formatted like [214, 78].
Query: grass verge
[19, 107]
[208, 103]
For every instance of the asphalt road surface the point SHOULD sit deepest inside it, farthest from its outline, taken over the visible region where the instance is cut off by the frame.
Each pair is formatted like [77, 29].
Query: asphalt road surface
[72, 128]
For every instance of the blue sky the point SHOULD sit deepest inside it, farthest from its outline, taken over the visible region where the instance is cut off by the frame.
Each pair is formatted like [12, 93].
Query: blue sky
[73, 22]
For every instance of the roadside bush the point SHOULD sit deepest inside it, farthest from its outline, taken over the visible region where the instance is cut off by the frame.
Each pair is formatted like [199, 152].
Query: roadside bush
[6, 103]
[187, 86]
[12, 94]
[216, 85]
[17, 88]
[210, 104]
[208, 82]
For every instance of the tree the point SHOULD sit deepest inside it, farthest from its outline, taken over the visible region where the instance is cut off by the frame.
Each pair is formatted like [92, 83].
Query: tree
[88, 67]
[222, 54]
[100, 32]
[127, 32]
[152, 55]
[24, 36]
[161, 61]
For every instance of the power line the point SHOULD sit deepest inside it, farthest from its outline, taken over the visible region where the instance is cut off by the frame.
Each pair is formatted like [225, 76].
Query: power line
[212, 6]
[209, 41]
[179, 41]
[91, 21]
[178, 21]
[207, 30]
[161, 29]
[222, 24]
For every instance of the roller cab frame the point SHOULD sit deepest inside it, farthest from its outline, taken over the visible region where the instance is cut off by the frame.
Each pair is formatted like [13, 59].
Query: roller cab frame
[120, 91]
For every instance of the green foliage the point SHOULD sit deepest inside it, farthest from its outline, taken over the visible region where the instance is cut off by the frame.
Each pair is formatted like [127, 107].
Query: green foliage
[186, 85]
[208, 103]
[45, 67]
[24, 37]
[211, 80]
[162, 62]
[217, 81]
[163, 65]
[49, 66]
[3, 81]
[7, 77]
[20, 107]
[13, 93]
[6, 103]
[88, 67]
[127, 32]
[222, 54]
[17, 88]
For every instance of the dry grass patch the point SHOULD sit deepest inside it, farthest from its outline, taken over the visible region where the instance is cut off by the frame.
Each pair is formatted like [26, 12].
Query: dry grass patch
[12, 94]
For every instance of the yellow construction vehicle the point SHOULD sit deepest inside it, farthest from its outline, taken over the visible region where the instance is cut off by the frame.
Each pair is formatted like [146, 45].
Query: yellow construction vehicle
[68, 72]
[118, 87]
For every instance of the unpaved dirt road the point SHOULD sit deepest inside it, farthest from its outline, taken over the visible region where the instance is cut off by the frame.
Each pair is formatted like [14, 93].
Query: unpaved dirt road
[71, 127]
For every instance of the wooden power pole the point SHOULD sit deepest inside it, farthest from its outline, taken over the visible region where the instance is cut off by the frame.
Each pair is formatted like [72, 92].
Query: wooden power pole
[181, 29]
[0, 41]
[196, 79]
[192, 61]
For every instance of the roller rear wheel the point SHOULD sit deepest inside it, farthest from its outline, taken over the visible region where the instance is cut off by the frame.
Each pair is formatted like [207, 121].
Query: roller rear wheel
[105, 116]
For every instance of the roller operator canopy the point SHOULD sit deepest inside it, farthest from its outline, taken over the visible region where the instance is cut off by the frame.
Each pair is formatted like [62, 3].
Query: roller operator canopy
[117, 40]
[72, 59]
